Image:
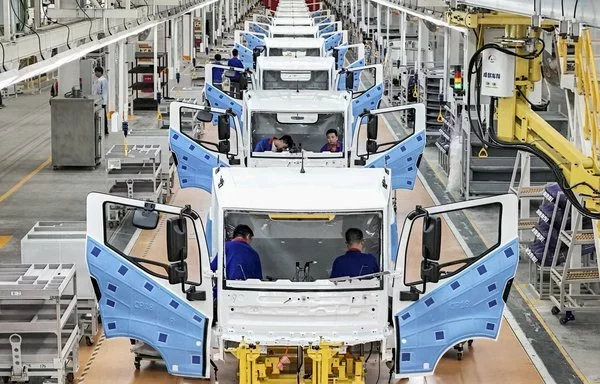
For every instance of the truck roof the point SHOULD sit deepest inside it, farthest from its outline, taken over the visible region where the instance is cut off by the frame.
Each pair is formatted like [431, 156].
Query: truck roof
[293, 29]
[316, 190]
[292, 21]
[292, 101]
[290, 42]
[287, 63]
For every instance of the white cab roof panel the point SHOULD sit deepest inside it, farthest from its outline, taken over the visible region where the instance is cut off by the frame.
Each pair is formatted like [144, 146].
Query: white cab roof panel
[290, 42]
[292, 101]
[316, 190]
[286, 63]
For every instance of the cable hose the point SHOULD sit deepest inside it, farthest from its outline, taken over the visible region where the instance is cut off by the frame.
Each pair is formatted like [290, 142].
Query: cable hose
[497, 143]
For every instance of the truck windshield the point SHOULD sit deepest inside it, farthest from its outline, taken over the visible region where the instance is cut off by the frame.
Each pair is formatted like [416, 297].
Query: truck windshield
[308, 129]
[300, 80]
[284, 241]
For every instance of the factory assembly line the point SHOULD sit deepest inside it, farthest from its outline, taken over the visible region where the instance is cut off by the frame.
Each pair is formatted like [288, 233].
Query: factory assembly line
[300, 241]
[288, 318]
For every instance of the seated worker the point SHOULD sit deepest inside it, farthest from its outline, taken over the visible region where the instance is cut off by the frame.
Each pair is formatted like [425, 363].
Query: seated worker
[274, 144]
[354, 262]
[217, 73]
[333, 144]
[241, 260]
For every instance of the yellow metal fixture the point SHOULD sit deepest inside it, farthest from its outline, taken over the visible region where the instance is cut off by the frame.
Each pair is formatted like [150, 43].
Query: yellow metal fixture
[324, 363]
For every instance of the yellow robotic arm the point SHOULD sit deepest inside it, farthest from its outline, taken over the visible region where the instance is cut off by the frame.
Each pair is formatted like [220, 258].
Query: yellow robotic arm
[518, 125]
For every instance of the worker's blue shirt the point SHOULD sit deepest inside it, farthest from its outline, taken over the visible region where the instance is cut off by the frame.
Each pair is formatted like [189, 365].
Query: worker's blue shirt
[339, 147]
[354, 263]
[241, 261]
[264, 145]
[217, 74]
[237, 63]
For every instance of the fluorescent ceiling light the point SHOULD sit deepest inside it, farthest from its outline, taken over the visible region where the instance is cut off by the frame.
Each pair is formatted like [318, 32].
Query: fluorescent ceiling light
[7, 78]
[15, 76]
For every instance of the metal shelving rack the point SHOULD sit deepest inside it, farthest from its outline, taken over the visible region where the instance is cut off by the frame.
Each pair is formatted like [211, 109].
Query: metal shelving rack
[64, 242]
[39, 332]
[431, 93]
[137, 175]
[137, 69]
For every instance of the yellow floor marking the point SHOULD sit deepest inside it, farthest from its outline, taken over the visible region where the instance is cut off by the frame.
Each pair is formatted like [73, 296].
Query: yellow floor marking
[15, 187]
[562, 350]
[4, 240]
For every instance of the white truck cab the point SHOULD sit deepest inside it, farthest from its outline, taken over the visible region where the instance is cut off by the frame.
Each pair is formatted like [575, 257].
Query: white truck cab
[427, 297]
[299, 73]
[273, 114]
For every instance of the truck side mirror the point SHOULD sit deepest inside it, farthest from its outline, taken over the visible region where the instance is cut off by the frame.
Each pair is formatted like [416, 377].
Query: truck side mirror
[204, 116]
[336, 55]
[224, 131]
[432, 238]
[177, 273]
[145, 219]
[349, 81]
[372, 127]
[176, 239]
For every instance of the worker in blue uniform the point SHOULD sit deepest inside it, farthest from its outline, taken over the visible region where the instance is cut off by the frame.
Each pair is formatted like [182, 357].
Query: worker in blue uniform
[354, 262]
[274, 144]
[235, 89]
[217, 73]
[333, 143]
[241, 260]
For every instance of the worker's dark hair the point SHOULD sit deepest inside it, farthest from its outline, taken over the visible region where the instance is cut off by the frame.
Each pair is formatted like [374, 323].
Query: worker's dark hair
[287, 139]
[234, 52]
[218, 57]
[332, 130]
[99, 69]
[353, 235]
[242, 230]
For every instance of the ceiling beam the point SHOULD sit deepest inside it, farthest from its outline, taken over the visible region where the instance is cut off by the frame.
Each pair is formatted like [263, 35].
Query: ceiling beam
[55, 36]
[95, 13]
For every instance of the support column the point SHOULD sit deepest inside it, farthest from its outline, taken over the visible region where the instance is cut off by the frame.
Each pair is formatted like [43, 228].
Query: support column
[378, 17]
[446, 64]
[227, 15]
[111, 72]
[155, 62]
[187, 36]
[220, 23]
[403, 57]
[204, 45]
[122, 106]
[7, 19]
[175, 45]
[68, 75]
[387, 29]
[362, 14]
[213, 33]
[369, 19]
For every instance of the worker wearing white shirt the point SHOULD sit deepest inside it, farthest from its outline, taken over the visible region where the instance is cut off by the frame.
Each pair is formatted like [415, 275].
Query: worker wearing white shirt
[101, 89]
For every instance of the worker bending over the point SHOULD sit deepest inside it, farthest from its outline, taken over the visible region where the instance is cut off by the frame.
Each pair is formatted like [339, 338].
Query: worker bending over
[217, 73]
[274, 144]
[333, 144]
[241, 260]
[354, 262]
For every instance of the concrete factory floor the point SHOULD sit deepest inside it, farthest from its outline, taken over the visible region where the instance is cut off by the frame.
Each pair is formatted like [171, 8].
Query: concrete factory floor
[532, 347]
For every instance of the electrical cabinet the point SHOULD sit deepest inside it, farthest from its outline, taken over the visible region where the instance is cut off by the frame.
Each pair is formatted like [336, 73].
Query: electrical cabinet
[76, 131]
